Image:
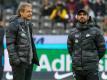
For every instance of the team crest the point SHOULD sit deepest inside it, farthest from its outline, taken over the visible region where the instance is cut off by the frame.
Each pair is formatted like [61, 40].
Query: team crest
[87, 35]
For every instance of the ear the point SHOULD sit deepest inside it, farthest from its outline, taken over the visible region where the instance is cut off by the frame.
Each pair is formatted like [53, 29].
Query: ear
[75, 16]
[21, 13]
[88, 17]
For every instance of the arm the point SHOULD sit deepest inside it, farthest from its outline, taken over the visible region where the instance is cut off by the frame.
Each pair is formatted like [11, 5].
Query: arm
[70, 45]
[1, 41]
[11, 34]
[100, 43]
[53, 14]
[64, 14]
[35, 57]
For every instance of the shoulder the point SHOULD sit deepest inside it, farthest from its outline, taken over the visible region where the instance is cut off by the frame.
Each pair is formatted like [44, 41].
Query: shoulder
[13, 21]
[73, 30]
[95, 30]
[13, 26]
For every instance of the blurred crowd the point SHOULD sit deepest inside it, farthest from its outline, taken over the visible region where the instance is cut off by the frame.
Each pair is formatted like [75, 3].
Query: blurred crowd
[64, 11]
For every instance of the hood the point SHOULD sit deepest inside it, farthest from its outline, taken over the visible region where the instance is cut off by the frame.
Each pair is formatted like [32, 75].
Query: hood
[13, 18]
[82, 26]
[91, 23]
[16, 19]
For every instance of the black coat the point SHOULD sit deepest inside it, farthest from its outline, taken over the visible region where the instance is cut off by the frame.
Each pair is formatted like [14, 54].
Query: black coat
[18, 43]
[1, 44]
[86, 46]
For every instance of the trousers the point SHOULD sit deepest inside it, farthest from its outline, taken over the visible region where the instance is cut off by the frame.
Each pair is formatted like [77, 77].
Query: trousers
[91, 74]
[21, 72]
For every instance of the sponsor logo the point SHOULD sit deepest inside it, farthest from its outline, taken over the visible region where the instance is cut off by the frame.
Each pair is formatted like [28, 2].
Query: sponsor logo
[87, 35]
[62, 76]
[63, 63]
[9, 76]
[104, 76]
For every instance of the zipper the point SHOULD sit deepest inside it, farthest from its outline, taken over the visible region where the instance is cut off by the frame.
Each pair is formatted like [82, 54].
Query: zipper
[30, 55]
[81, 48]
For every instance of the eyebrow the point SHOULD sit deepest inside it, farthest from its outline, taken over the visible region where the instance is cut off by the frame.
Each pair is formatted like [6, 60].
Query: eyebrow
[82, 14]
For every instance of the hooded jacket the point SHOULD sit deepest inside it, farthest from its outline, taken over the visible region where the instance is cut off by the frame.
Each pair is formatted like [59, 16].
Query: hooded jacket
[18, 42]
[86, 45]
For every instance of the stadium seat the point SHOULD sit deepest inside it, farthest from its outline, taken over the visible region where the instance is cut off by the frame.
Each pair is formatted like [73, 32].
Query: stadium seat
[46, 25]
[58, 28]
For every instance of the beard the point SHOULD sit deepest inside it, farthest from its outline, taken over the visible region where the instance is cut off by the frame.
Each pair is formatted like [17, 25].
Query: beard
[82, 21]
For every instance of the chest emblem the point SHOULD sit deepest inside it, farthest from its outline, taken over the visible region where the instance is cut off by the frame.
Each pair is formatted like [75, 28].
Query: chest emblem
[76, 41]
[88, 35]
[23, 34]
[77, 35]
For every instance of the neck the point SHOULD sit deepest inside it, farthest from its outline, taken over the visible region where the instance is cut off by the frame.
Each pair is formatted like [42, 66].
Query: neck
[83, 23]
[82, 26]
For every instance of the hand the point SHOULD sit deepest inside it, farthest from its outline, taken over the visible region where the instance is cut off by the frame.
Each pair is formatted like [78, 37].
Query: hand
[1, 23]
[15, 62]
[34, 61]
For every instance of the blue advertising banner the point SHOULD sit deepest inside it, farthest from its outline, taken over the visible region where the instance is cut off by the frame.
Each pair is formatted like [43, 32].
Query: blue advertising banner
[55, 62]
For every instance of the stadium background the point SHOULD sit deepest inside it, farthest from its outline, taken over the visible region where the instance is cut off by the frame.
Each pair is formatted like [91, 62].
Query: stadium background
[50, 39]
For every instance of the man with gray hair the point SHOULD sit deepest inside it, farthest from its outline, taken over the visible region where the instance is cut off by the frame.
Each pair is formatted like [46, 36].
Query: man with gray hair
[20, 44]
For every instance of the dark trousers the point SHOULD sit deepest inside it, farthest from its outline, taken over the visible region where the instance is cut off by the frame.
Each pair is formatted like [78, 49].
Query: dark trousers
[1, 73]
[1, 68]
[22, 72]
[91, 74]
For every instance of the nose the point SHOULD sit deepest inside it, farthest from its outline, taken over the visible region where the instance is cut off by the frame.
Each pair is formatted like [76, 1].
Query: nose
[30, 13]
[82, 15]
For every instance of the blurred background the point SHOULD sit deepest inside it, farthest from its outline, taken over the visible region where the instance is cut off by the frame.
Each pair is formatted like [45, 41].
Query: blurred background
[52, 20]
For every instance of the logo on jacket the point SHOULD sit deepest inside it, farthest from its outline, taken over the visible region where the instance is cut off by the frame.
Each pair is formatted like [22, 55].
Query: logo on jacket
[77, 35]
[88, 35]
[76, 41]
[23, 34]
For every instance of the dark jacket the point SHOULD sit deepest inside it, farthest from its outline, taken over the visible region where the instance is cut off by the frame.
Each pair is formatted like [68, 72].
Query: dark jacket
[1, 40]
[18, 43]
[1, 44]
[86, 45]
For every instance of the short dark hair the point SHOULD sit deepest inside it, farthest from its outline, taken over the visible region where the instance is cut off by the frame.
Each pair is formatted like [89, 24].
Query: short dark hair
[82, 11]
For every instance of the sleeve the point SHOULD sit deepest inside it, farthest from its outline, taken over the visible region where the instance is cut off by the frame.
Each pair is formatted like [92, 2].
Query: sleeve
[53, 14]
[35, 59]
[64, 14]
[11, 36]
[70, 45]
[1, 41]
[100, 43]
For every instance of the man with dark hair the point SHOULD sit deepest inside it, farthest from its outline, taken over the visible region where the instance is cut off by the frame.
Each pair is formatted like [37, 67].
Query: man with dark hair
[86, 45]
[20, 44]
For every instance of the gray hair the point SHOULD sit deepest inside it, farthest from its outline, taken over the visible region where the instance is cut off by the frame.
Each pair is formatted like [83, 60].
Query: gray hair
[22, 6]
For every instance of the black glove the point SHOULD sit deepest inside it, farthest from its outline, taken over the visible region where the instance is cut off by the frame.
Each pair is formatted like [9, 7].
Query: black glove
[35, 61]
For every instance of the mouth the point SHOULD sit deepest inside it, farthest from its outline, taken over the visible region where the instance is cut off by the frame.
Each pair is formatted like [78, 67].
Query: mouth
[82, 19]
[30, 16]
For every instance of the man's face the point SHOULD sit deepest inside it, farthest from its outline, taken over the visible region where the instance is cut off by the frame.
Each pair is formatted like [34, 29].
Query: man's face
[82, 17]
[27, 13]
